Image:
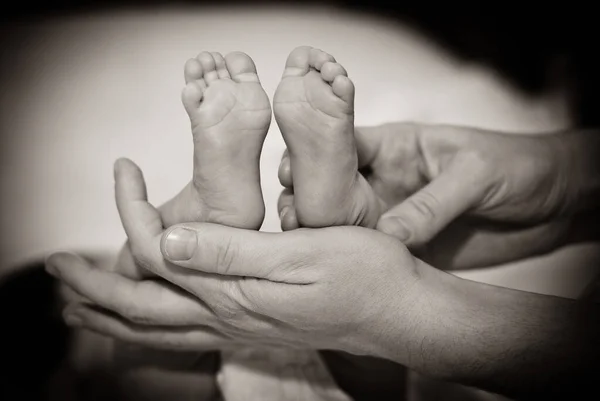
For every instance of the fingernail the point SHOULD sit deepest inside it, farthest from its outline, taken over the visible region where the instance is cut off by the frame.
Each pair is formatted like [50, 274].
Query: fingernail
[73, 320]
[181, 244]
[395, 228]
[283, 212]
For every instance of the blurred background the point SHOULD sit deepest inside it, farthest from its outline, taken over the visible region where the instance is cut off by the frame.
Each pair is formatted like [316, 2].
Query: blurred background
[84, 83]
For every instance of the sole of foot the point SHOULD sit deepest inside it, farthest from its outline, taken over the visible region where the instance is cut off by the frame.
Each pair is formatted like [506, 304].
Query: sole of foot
[314, 108]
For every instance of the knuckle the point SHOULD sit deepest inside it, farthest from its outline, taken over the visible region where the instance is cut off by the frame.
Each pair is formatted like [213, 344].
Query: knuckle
[425, 204]
[425, 209]
[477, 163]
[478, 160]
[485, 172]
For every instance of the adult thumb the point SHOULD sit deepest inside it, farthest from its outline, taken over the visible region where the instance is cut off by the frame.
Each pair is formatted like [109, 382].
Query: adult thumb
[424, 214]
[228, 251]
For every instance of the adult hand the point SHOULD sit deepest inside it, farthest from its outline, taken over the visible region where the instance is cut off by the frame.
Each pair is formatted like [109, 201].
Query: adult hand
[333, 288]
[516, 195]
[342, 288]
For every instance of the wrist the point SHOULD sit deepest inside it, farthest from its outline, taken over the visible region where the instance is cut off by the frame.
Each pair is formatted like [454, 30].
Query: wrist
[414, 335]
[435, 324]
[451, 328]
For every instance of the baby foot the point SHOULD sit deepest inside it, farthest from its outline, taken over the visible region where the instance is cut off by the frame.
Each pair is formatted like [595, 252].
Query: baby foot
[230, 115]
[314, 108]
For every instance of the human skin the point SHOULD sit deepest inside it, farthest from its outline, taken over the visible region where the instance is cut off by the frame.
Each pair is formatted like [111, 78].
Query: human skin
[347, 289]
[463, 197]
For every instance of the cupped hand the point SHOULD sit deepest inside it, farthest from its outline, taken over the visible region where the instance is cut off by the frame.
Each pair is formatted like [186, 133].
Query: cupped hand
[465, 197]
[334, 288]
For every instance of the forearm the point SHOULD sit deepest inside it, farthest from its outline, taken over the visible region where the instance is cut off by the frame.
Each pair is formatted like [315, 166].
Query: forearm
[578, 173]
[579, 154]
[515, 343]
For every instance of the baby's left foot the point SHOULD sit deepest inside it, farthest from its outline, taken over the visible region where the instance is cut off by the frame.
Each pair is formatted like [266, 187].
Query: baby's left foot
[230, 115]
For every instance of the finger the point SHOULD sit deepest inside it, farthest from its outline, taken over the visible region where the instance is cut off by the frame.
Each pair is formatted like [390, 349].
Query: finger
[464, 246]
[126, 266]
[287, 211]
[144, 302]
[424, 214]
[368, 143]
[285, 170]
[141, 221]
[145, 250]
[139, 218]
[142, 224]
[198, 338]
[223, 250]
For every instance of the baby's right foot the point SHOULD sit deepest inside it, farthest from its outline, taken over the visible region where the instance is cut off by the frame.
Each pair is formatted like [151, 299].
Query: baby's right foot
[314, 108]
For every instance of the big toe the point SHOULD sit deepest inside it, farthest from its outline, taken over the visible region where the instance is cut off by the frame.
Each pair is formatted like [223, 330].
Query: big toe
[297, 62]
[241, 67]
[304, 58]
